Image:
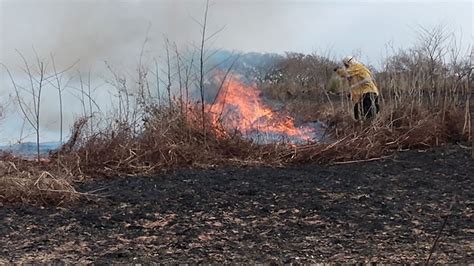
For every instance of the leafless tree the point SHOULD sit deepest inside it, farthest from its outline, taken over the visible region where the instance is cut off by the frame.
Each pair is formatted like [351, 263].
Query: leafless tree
[126, 111]
[180, 80]
[203, 58]
[157, 81]
[84, 93]
[58, 77]
[168, 72]
[143, 86]
[37, 78]
[201, 66]
[187, 76]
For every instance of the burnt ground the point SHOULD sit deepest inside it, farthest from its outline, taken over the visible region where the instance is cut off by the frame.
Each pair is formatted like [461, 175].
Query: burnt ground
[381, 211]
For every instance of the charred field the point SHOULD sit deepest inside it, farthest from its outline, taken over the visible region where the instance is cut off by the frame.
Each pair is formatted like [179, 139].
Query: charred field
[388, 210]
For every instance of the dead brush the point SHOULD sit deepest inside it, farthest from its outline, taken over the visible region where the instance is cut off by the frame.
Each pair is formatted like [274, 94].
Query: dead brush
[169, 139]
[172, 139]
[396, 128]
[23, 181]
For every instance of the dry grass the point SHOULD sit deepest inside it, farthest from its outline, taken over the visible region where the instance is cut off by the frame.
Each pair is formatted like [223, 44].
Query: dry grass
[27, 182]
[424, 104]
[171, 139]
[396, 128]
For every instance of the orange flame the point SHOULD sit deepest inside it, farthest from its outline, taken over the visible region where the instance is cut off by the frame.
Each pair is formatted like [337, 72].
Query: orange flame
[239, 106]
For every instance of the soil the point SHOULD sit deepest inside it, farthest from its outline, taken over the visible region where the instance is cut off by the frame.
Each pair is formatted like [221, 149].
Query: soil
[388, 210]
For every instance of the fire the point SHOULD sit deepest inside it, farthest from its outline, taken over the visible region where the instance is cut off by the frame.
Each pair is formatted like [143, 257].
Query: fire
[239, 106]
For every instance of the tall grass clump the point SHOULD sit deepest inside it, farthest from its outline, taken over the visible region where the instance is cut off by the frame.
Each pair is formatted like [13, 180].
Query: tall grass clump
[168, 139]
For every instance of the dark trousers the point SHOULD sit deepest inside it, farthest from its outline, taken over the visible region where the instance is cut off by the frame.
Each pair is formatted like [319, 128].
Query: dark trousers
[367, 107]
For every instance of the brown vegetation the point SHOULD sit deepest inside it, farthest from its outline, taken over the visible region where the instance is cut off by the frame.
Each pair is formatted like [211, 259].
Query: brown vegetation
[425, 101]
[27, 182]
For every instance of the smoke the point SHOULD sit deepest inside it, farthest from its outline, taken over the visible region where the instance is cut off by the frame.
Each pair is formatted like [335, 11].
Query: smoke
[114, 30]
[91, 31]
[94, 31]
[97, 30]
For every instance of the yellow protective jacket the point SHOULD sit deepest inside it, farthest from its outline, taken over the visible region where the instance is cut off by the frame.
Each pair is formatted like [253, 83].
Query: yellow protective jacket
[360, 79]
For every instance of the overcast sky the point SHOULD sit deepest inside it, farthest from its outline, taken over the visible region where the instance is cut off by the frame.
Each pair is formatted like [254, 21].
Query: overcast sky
[114, 30]
[94, 30]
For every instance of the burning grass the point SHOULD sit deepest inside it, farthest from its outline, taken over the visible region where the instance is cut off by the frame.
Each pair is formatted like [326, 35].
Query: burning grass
[174, 138]
[174, 141]
[238, 128]
[425, 94]
[171, 138]
[240, 107]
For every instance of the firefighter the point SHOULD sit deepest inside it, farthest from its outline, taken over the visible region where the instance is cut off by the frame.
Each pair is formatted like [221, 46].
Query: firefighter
[364, 93]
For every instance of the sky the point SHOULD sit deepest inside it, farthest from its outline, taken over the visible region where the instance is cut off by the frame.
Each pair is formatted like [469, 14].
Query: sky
[94, 31]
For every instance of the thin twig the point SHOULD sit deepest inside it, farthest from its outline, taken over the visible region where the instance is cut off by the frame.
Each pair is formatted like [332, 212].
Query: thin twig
[445, 221]
[362, 161]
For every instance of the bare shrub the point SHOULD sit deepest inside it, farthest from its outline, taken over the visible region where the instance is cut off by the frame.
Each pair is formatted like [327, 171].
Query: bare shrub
[300, 76]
